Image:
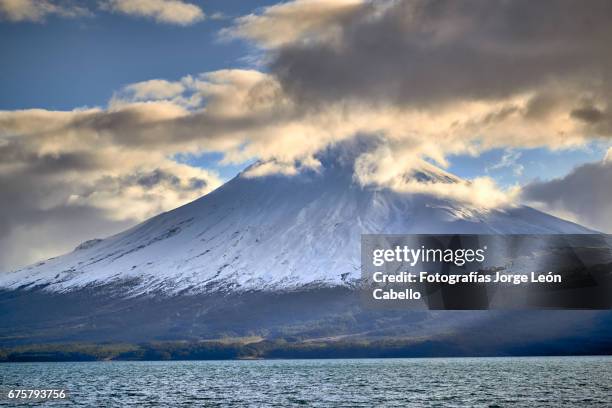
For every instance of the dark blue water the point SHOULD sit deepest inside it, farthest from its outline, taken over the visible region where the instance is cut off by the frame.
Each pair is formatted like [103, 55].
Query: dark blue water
[480, 382]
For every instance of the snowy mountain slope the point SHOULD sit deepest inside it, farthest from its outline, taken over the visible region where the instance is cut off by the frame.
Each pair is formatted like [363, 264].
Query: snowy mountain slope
[270, 233]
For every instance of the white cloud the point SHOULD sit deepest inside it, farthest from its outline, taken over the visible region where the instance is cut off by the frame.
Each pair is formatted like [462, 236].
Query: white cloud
[217, 15]
[155, 89]
[404, 171]
[292, 21]
[479, 192]
[163, 11]
[265, 169]
[509, 160]
[38, 10]
[273, 167]
[245, 115]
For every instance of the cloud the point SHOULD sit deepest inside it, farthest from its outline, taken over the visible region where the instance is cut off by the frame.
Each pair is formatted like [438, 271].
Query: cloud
[443, 77]
[509, 160]
[154, 89]
[479, 192]
[275, 167]
[163, 11]
[38, 10]
[217, 15]
[144, 191]
[39, 234]
[424, 53]
[584, 195]
[425, 71]
[271, 167]
[553, 55]
[405, 172]
[66, 177]
[294, 21]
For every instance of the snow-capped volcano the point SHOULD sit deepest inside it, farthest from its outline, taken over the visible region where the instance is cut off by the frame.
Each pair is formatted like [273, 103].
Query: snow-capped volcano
[271, 232]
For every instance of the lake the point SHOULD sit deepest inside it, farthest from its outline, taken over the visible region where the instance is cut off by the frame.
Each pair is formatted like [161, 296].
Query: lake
[539, 381]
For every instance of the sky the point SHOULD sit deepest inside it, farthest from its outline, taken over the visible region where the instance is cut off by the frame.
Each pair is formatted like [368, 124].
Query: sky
[112, 111]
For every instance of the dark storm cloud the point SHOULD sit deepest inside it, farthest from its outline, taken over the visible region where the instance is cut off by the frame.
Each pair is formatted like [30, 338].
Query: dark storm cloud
[49, 163]
[541, 106]
[147, 180]
[419, 52]
[598, 120]
[588, 114]
[156, 177]
[197, 183]
[585, 192]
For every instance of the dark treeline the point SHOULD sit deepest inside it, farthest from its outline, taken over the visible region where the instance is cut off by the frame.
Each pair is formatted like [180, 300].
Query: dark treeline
[277, 349]
[210, 350]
